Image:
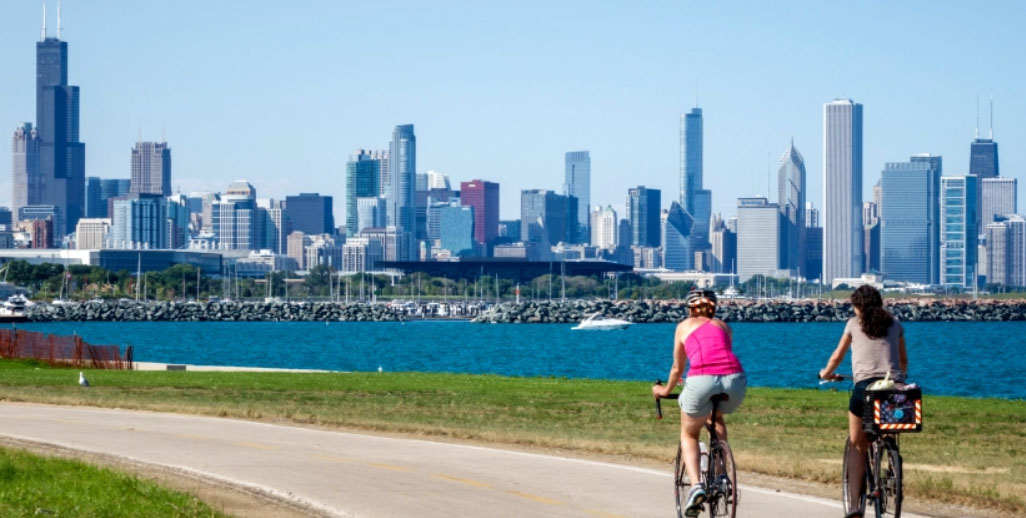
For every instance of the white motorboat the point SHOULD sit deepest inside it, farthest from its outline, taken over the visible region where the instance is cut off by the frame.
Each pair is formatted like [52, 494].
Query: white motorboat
[597, 322]
[13, 309]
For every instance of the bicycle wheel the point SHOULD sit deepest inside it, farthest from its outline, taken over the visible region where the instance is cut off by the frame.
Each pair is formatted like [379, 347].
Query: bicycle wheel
[887, 472]
[681, 484]
[845, 494]
[724, 493]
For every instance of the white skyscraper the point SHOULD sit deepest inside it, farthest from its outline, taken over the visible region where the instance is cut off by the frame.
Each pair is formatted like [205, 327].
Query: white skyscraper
[758, 238]
[998, 198]
[842, 189]
[604, 226]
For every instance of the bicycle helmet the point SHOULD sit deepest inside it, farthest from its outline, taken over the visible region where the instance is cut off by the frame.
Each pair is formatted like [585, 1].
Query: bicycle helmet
[697, 297]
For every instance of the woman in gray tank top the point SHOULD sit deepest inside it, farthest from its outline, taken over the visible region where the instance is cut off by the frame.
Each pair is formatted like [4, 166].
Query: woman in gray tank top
[877, 343]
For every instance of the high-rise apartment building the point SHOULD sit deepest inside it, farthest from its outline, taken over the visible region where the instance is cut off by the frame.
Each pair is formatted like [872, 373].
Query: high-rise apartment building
[998, 198]
[401, 198]
[791, 201]
[958, 231]
[578, 184]
[28, 184]
[91, 233]
[678, 253]
[311, 213]
[842, 190]
[910, 220]
[643, 210]
[483, 197]
[758, 238]
[604, 228]
[363, 174]
[151, 168]
[61, 158]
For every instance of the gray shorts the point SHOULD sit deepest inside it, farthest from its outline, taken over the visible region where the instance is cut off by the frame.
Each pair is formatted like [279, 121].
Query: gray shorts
[696, 399]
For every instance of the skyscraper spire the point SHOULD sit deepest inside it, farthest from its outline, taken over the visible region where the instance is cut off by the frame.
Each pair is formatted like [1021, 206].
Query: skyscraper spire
[991, 116]
[58, 19]
[42, 34]
[977, 115]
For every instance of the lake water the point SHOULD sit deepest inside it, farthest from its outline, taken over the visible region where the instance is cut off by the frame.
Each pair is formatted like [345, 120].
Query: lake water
[954, 358]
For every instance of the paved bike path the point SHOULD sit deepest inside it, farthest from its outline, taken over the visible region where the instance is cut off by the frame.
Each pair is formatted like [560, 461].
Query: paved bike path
[347, 474]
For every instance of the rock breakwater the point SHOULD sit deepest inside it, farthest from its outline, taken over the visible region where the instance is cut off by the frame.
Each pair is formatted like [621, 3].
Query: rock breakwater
[214, 311]
[753, 311]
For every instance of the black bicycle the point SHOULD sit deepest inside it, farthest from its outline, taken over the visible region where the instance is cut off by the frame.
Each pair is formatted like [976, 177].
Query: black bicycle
[719, 476]
[882, 484]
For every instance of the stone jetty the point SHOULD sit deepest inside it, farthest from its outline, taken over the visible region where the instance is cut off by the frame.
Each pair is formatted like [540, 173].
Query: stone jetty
[912, 310]
[130, 311]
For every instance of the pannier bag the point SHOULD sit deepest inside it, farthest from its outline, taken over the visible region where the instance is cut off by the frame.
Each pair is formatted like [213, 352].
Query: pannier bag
[893, 410]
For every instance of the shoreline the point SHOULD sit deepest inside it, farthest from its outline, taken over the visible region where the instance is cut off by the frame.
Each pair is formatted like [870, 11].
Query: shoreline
[157, 366]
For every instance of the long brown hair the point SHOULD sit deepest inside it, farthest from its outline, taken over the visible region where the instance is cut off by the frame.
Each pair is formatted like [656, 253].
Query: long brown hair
[875, 320]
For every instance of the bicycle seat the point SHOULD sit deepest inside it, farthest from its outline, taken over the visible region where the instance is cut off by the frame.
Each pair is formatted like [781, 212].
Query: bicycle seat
[719, 398]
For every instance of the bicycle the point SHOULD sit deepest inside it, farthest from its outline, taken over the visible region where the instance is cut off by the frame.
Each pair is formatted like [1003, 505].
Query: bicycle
[883, 479]
[719, 476]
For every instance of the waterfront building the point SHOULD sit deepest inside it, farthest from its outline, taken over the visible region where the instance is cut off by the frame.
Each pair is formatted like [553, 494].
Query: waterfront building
[958, 233]
[604, 228]
[643, 212]
[483, 198]
[758, 238]
[151, 168]
[91, 233]
[910, 220]
[842, 189]
[546, 218]
[61, 155]
[578, 184]
[28, 185]
[311, 213]
[678, 253]
[791, 201]
[360, 254]
[999, 198]
[363, 172]
[139, 222]
[401, 197]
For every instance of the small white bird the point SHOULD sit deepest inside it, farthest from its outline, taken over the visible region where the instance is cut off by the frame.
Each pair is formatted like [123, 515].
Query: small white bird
[380, 369]
[82, 381]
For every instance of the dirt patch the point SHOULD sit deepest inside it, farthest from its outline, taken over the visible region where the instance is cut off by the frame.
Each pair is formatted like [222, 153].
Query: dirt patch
[226, 498]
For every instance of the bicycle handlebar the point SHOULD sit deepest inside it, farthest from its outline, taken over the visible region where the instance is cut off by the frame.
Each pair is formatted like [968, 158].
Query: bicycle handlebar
[658, 404]
[836, 378]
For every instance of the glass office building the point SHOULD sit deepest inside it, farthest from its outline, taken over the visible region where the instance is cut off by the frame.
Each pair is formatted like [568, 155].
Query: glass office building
[909, 223]
[958, 231]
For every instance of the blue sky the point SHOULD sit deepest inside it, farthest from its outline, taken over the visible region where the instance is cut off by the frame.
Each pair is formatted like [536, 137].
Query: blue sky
[281, 93]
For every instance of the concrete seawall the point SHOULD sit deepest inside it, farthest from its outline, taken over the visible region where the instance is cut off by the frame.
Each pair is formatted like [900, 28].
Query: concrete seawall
[753, 311]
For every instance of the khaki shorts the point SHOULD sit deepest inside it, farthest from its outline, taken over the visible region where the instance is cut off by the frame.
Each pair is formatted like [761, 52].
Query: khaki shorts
[696, 399]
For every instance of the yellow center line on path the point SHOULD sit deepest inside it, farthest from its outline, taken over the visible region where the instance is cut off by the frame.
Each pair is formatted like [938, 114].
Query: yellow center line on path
[332, 458]
[258, 446]
[595, 512]
[467, 481]
[536, 498]
[390, 467]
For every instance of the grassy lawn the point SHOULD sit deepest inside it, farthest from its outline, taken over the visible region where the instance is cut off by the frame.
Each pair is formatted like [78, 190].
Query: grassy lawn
[31, 485]
[972, 451]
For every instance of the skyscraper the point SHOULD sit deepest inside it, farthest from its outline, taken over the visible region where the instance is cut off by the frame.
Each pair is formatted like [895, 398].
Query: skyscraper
[95, 207]
[483, 197]
[910, 220]
[27, 179]
[958, 231]
[791, 201]
[151, 168]
[139, 222]
[402, 198]
[676, 229]
[758, 238]
[842, 190]
[983, 162]
[643, 208]
[695, 200]
[311, 213]
[363, 172]
[998, 198]
[61, 154]
[604, 228]
[578, 185]
[546, 218]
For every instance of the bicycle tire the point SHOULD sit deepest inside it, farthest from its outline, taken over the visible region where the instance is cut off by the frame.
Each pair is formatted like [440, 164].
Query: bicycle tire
[680, 482]
[887, 472]
[723, 488]
[844, 481]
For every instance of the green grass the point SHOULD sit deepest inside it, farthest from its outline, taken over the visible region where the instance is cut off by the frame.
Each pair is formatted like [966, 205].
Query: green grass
[32, 486]
[972, 451]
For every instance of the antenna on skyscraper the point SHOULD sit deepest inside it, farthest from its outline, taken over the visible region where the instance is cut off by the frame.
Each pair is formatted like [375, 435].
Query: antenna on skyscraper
[977, 115]
[42, 34]
[58, 19]
[991, 116]
[769, 182]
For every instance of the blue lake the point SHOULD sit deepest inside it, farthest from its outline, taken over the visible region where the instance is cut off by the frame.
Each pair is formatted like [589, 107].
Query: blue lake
[954, 358]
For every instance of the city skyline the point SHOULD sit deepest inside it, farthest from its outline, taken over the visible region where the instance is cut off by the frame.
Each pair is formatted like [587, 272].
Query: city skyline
[629, 144]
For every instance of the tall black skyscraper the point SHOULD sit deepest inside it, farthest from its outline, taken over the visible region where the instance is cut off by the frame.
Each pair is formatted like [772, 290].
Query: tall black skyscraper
[983, 160]
[61, 159]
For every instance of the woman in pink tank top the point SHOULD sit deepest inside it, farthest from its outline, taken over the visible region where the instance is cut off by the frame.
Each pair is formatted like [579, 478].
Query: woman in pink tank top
[705, 344]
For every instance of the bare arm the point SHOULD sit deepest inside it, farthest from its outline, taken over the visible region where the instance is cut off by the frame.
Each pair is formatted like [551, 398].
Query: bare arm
[679, 361]
[902, 355]
[835, 359]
